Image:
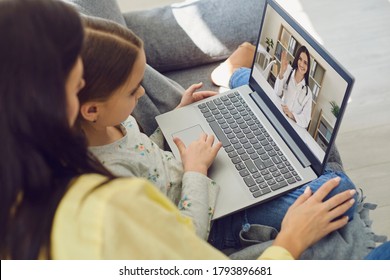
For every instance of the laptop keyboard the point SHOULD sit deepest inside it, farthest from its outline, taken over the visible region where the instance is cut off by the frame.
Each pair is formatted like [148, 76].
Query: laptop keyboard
[257, 158]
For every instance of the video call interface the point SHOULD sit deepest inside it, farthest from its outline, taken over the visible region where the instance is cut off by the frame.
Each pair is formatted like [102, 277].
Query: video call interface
[309, 93]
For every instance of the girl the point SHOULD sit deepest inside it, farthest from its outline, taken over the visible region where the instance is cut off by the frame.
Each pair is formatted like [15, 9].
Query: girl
[108, 99]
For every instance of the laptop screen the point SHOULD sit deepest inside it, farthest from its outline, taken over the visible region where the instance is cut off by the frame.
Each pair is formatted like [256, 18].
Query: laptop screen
[300, 83]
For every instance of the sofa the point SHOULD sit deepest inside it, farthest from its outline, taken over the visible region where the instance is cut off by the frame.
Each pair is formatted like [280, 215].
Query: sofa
[183, 44]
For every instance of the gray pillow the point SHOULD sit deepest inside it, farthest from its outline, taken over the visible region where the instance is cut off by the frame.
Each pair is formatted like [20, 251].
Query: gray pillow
[107, 9]
[192, 33]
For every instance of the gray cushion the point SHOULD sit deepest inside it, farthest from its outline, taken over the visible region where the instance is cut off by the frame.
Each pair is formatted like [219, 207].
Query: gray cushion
[189, 76]
[197, 32]
[176, 37]
[161, 95]
[107, 9]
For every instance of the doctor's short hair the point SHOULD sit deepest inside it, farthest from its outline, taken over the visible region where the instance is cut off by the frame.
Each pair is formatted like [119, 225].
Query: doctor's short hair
[302, 49]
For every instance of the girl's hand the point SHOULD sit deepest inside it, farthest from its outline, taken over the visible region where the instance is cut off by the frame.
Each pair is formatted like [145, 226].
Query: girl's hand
[283, 64]
[200, 154]
[190, 96]
[310, 218]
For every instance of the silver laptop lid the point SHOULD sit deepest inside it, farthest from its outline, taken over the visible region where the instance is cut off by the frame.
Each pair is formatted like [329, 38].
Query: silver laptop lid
[319, 101]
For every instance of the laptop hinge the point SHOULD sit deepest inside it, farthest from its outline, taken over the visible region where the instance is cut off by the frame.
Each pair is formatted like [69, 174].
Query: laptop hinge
[281, 130]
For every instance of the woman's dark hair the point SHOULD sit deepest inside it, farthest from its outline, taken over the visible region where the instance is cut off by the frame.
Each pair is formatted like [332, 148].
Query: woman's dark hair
[302, 49]
[40, 43]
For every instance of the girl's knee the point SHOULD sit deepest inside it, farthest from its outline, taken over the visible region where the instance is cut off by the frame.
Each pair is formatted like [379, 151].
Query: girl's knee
[248, 45]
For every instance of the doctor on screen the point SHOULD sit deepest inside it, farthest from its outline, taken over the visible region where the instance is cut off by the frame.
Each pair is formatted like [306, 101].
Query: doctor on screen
[292, 86]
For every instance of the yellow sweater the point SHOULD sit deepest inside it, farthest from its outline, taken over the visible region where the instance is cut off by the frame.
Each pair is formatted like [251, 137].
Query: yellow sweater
[127, 218]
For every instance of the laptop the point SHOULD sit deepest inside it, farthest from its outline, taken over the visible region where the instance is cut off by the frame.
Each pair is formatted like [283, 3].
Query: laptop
[265, 153]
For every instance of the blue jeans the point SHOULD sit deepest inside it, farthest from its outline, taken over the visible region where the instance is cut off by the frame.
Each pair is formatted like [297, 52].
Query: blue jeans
[381, 252]
[240, 77]
[225, 231]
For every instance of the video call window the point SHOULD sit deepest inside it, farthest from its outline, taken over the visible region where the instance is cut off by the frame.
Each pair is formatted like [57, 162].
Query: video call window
[310, 88]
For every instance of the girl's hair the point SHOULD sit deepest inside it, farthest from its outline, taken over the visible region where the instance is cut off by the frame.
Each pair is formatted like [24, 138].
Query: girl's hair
[40, 153]
[302, 49]
[109, 54]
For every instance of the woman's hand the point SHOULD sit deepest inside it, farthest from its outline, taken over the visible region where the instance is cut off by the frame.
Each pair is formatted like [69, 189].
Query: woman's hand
[190, 96]
[200, 154]
[310, 218]
[283, 64]
[287, 112]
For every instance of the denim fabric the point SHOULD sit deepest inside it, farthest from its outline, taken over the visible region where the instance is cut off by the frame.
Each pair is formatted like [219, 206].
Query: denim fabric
[225, 231]
[240, 77]
[381, 252]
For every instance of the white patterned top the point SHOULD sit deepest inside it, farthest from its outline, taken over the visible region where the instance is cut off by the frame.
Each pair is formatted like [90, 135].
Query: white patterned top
[136, 155]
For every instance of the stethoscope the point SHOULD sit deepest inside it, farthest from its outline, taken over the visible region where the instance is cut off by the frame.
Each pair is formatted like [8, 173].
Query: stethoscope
[285, 86]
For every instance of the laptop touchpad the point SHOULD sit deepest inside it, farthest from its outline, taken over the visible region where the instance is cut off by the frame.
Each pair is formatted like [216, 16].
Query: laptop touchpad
[189, 135]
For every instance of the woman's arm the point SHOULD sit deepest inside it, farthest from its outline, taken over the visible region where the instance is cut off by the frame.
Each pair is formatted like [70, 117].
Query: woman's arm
[303, 118]
[280, 81]
[310, 218]
[130, 219]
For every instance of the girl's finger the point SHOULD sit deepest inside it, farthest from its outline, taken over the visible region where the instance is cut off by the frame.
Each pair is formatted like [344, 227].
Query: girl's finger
[215, 148]
[210, 139]
[203, 137]
[179, 144]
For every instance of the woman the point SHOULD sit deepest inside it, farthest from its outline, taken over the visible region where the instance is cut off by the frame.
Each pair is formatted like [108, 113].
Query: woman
[57, 201]
[292, 86]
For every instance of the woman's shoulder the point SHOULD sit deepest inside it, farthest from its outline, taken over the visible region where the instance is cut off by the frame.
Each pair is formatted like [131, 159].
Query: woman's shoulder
[99, 185]
[94, 201]
[92, 192]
